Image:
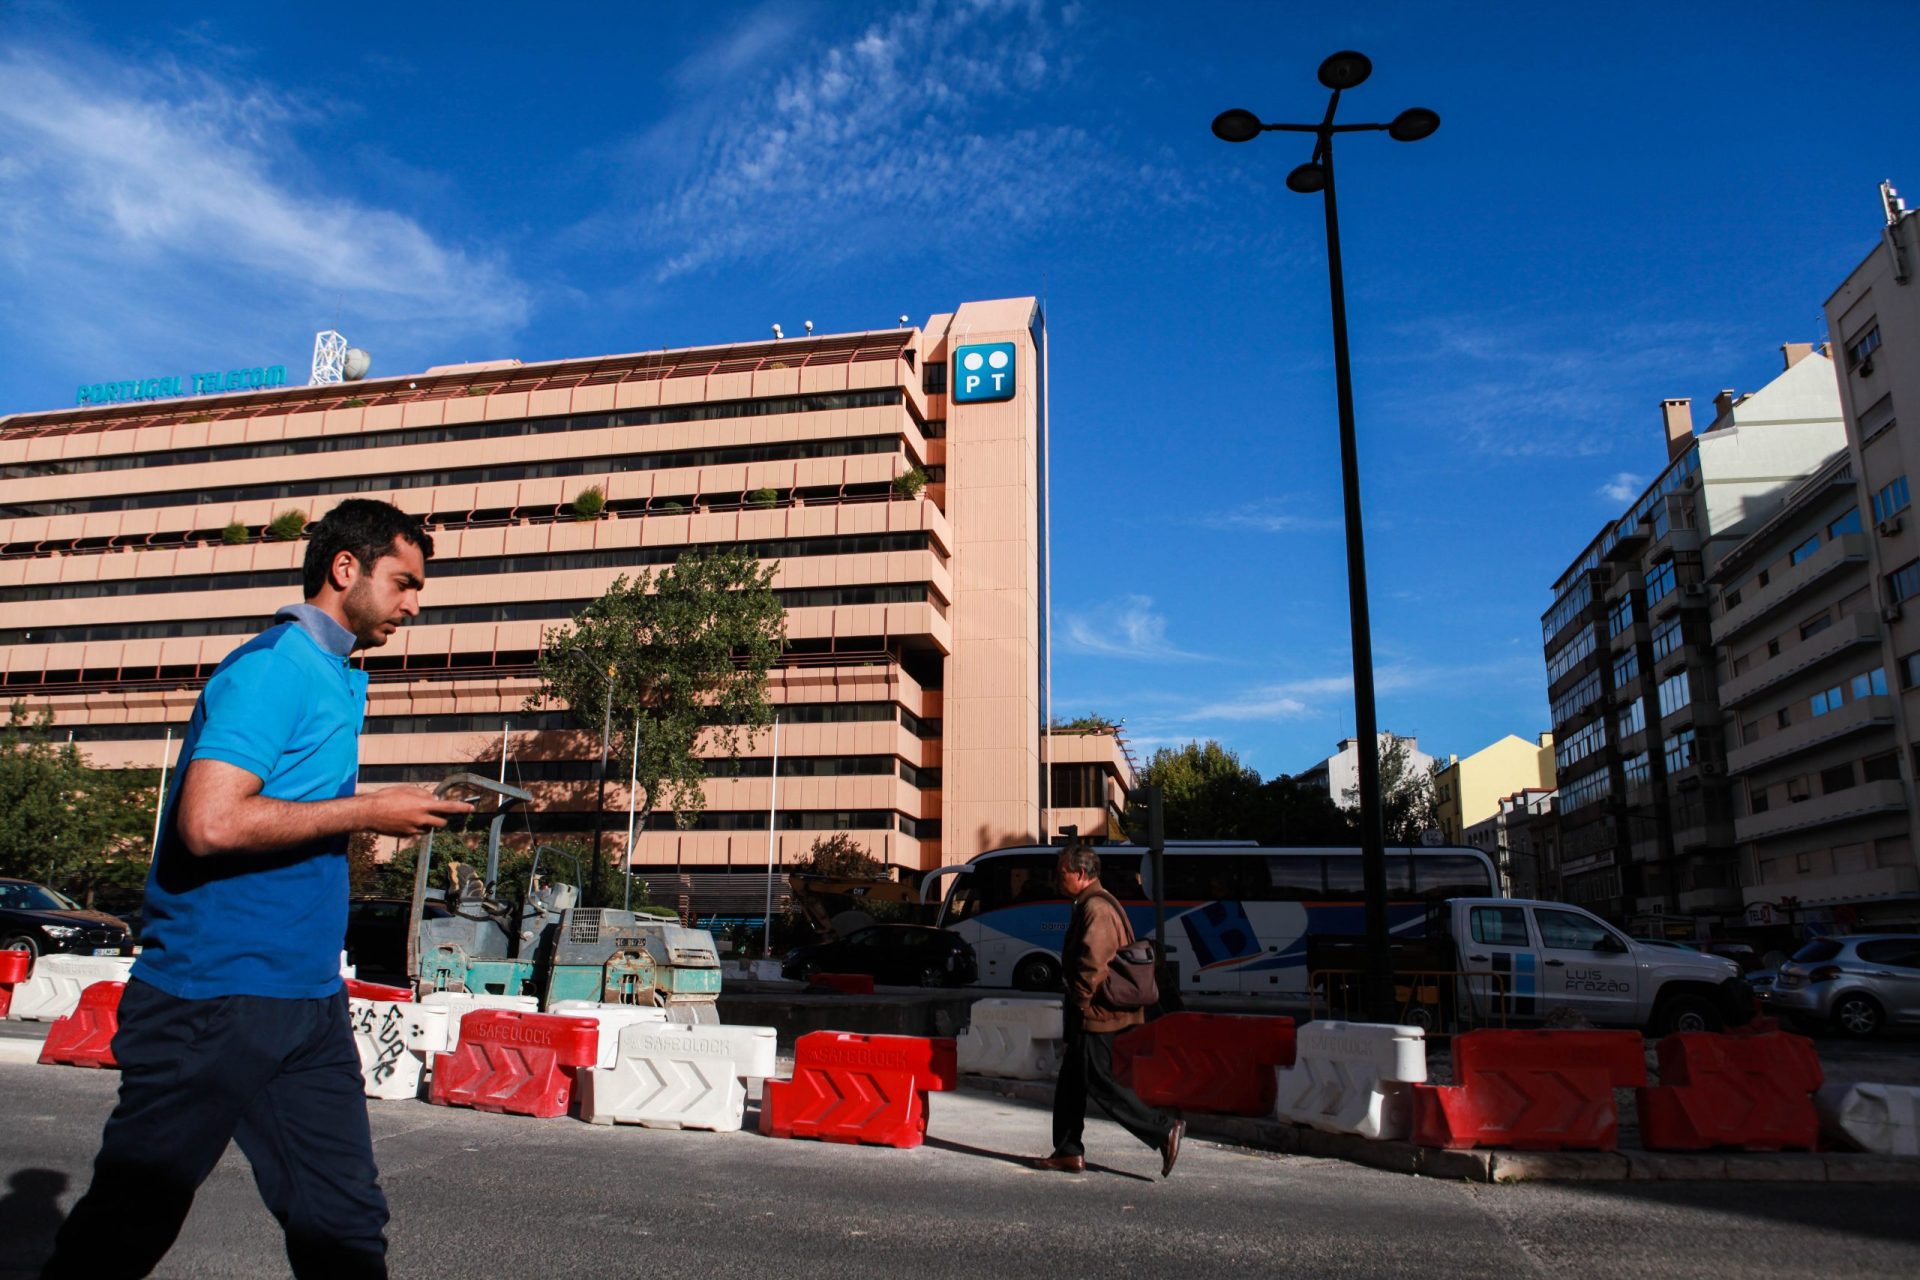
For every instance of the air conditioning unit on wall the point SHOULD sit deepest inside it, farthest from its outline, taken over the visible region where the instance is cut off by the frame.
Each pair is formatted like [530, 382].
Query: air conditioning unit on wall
[1888, 527]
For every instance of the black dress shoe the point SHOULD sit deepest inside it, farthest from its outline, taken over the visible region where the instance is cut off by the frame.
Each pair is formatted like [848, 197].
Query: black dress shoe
[1170, 1149]
[1062, 1164]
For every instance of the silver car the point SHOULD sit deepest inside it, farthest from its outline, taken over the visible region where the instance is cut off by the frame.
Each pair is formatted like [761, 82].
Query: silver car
[1860, 984]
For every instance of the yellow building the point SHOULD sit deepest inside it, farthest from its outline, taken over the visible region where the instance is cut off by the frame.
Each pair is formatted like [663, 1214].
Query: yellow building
[1470, 790]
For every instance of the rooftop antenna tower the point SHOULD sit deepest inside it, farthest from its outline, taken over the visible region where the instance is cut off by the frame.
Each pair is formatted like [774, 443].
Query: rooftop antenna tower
[334, 361]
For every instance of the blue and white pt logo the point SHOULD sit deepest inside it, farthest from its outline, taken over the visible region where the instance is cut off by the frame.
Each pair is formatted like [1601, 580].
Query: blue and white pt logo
[983, 372]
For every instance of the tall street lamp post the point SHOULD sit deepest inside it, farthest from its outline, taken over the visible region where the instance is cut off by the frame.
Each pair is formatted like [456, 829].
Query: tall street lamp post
[1340, 72]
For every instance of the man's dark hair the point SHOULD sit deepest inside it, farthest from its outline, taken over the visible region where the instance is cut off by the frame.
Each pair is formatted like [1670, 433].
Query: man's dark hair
[363, 526]
[1082, 858]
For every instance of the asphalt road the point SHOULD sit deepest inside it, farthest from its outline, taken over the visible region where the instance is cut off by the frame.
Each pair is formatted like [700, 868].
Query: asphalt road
[488, 1196]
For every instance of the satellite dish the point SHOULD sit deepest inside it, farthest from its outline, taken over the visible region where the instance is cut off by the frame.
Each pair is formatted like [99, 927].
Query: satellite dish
[357, 364]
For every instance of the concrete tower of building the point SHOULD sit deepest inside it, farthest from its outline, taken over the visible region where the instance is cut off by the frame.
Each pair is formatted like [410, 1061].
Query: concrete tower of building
[135, 554]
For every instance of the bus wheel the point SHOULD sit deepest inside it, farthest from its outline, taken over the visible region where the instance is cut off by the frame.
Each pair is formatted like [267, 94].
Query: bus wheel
[1039, 973]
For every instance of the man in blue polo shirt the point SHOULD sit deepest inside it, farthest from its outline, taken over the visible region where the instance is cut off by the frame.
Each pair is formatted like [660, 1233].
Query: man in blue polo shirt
[233, 1025]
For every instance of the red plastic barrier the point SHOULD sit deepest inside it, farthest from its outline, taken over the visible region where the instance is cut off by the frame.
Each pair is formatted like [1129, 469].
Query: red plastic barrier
[1206, 1061]
[850, 984]
[1531, 1090]
[1754, 1092]
[84, 1038]
[515, 1063]
[859, 1089]
[14, 968]
[358, 990]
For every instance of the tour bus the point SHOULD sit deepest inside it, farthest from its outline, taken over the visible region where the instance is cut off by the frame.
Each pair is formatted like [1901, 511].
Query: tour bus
[1238, 915]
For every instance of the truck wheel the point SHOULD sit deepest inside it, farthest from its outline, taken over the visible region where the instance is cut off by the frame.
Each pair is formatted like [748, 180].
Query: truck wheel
[1039, 973]
[1857, 1016]
[1687, 1013]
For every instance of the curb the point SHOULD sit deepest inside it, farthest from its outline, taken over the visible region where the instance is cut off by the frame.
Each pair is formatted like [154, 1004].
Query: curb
[1504, 1167]
[19, 1050]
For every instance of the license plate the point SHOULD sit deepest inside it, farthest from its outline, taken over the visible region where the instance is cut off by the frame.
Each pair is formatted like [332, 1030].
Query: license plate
[106, 951]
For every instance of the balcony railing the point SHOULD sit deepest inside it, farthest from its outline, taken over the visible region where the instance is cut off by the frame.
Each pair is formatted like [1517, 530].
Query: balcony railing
[1854, 717]
[1854, 803]
[1850, 632]
[1784, 586]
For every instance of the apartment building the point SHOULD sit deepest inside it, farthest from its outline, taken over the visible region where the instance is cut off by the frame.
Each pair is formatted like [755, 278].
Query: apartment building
[1339, 774]
[1813, 735]
[137, 550]
[1467, 791]
[1644, 813]
[1517, 835]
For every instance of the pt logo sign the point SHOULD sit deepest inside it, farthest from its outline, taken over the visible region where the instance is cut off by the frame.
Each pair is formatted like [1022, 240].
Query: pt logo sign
[983, 372]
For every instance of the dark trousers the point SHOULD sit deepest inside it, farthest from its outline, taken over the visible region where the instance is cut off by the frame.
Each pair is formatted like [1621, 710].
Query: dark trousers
[280, 1077]
[1086, 1072]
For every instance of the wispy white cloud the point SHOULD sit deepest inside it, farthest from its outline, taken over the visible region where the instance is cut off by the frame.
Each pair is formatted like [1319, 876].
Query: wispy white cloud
[857, 146]
[1272, 515]
[1624, 487]
[1333, 693]
[1516, 386]
[1128, 627]
[159, 208]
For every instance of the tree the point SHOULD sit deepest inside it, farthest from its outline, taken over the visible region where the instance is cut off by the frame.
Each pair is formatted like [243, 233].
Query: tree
[686, 654]
[1205, 790]
[1406, 792]
[1286, 812]
[1091, 723]
[841, 857]
[64, 822]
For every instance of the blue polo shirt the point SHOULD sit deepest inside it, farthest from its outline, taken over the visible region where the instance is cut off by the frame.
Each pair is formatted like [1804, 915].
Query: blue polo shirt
[287, 708]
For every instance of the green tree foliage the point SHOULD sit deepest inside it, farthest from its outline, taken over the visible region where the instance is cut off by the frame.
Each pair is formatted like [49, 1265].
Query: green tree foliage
[909, 483]
[1207, 792]
[1285, 812]
[1094, 723]
[840, 856]
[1406, 792]
[763, 497]
[65, 823]
[234, 534]
[686, 653]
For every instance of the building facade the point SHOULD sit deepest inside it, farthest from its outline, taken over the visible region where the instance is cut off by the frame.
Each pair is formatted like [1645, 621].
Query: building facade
[1469, 790]
[1644, 812]
[1515, 836]
[136, 552]
[1339, 774]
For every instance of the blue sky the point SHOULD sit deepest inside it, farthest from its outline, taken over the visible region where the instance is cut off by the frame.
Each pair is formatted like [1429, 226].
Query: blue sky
[1625, 202]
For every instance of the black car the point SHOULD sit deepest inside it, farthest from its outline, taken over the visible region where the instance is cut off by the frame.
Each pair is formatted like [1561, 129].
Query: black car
[902, 955]
[377, 934]
[42, 921]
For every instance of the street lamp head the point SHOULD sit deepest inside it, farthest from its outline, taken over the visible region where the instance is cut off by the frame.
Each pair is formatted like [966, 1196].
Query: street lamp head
[1307, 178]
[1345, 70]
[1236, 126]
[1413, 124]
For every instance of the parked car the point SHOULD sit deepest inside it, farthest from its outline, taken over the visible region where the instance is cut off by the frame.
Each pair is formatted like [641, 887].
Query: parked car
[1859, 984]
[377, 934]
[44, 921]
[905, 955]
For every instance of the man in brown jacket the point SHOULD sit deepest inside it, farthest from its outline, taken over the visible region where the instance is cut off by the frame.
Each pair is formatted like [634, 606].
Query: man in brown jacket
[1097, 932]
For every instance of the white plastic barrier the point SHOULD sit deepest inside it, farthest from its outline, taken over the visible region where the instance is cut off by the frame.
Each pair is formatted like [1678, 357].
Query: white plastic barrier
[53, 988]
[613, 1020]
[1353, 1077]
[1882, 1118]
[387, 1068]
[673, 1076]
[433, 1025]
[1018, 1039]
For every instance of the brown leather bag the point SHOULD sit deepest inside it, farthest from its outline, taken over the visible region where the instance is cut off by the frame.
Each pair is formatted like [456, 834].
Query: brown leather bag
[1131, 974]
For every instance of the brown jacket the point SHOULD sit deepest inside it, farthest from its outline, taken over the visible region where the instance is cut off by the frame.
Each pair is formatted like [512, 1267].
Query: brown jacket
[1097, 932]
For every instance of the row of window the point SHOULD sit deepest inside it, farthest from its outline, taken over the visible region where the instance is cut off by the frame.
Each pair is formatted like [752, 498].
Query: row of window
[1687, 464]
[1675, 692]
[1667, 637]
[1632, 719]
[1585, 790]
[785, 451]
[573, 822]
[1571, 654]
[1626, 668]
[1865, 685]
[1662, 578]
[1893, 497]
[1581, 744]
[472, 566]
[874, 766]
[1904, 583]
[456, 433]
[1577, 699]
[1679, 750]
[1620, 616]
[1566, 609]
[446, 615]
[1882, 767]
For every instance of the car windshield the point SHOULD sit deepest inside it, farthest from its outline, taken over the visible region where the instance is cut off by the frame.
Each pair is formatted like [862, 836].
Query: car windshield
[1816, 951]
[34, 897]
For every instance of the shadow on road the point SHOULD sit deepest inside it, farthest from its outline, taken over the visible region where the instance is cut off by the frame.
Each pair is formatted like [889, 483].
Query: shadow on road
[29, 1217]
[1022, 1162]
[1846, 1209]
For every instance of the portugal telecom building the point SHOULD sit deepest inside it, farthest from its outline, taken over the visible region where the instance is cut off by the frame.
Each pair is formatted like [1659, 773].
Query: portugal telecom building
[913, 688]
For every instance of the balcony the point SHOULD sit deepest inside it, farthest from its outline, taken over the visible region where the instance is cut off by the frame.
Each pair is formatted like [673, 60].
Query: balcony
[1638, 633]
[1710, 901]
[1849, 549]
[1850, 632]
[1855, 717]
[1863, 801]
[1855, 886]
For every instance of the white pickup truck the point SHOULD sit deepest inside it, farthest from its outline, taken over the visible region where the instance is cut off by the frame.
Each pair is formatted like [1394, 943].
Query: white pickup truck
[1551, 956]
